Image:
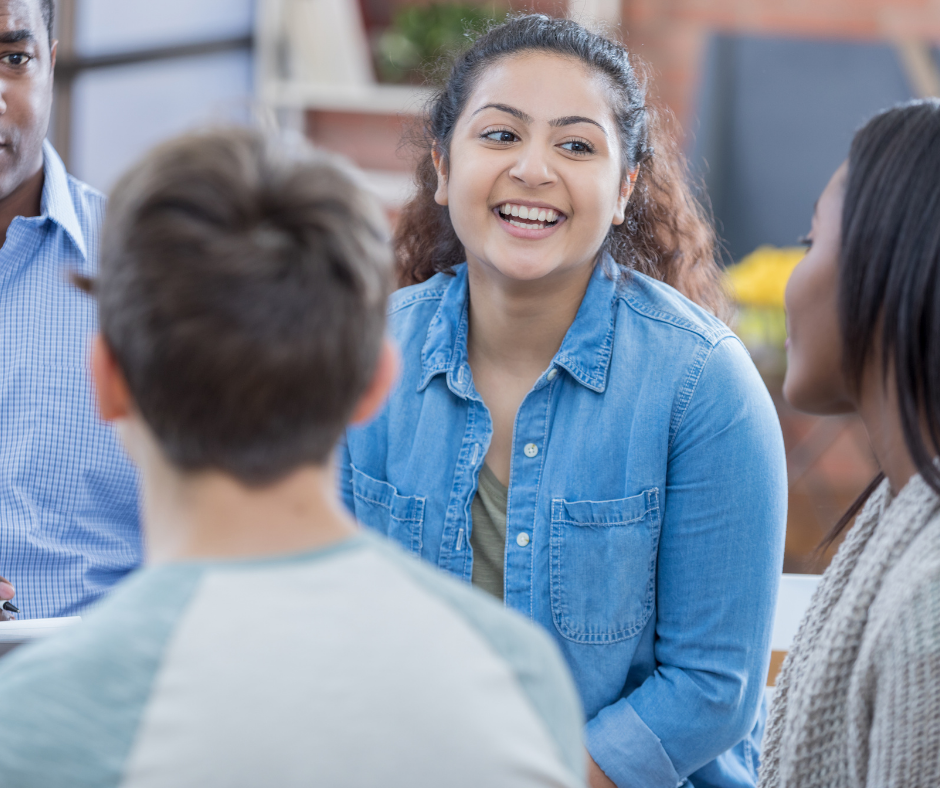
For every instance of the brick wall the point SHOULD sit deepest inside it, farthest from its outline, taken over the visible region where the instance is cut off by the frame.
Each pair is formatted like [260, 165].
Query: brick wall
[671, 34]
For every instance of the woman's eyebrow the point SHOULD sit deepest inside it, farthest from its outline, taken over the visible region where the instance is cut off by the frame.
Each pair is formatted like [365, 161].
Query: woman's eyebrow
[516, 113]
[568, 120]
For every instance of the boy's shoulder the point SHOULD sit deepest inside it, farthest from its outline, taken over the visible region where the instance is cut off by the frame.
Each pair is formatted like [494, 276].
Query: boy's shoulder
[161, 678]
[86, 687]
[526, 649]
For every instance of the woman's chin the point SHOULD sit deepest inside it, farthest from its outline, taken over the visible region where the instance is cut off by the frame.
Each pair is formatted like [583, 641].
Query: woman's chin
[526, 269]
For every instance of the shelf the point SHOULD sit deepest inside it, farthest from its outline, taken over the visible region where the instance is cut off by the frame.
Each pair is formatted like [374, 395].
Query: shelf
[374, 99]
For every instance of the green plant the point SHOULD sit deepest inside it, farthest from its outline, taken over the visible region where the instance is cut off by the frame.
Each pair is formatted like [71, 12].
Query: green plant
[420, 34]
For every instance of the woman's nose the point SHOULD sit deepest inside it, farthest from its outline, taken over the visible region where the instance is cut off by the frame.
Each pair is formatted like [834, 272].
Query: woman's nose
[532, 167]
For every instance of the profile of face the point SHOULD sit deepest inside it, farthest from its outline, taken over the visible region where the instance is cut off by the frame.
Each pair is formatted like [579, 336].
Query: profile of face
[815, 382]
[26, 75]
[534, 177]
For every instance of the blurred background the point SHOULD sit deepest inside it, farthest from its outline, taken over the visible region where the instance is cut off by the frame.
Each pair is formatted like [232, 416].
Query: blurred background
[766, 94]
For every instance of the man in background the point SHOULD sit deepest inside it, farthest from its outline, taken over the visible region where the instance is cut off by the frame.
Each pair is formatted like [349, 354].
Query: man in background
[68, 495]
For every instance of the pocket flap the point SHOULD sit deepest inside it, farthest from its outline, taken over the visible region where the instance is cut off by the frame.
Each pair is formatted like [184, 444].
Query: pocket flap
[404, 508]
[599, 513]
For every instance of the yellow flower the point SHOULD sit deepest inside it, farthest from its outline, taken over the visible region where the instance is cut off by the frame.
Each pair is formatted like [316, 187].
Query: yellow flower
[761, 277]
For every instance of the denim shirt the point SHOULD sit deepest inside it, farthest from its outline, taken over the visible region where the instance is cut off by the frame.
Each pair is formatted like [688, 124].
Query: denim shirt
[646, 512]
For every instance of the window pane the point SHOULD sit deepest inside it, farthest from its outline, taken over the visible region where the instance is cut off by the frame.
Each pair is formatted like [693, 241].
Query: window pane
[121, 112]
[107, 26]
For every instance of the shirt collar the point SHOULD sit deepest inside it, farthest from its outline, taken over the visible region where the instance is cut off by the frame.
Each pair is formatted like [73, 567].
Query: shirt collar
[584, 353]
[57, 202]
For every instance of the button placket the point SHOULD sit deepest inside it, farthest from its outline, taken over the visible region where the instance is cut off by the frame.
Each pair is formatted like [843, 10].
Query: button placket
[531, 436]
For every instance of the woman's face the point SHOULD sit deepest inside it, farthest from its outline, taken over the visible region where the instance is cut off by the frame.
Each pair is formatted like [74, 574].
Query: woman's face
[533, 180]
[814, 381]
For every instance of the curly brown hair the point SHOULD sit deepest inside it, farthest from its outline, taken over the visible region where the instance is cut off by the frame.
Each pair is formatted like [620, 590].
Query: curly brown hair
[667, 233]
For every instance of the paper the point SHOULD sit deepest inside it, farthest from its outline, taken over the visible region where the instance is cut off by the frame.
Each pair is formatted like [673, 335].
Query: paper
[14, 633]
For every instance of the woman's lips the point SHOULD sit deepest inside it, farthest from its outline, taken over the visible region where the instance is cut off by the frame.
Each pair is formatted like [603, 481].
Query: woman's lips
[535, 232]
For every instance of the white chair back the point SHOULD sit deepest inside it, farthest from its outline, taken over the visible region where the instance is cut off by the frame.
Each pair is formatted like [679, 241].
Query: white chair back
[793, 598]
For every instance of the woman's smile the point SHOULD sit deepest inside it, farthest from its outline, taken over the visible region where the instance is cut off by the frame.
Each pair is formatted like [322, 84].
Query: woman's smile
[529, 220]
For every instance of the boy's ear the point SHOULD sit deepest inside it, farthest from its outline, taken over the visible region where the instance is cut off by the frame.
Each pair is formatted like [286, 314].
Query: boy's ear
[386, 373]
[114, 397]
[440, 196]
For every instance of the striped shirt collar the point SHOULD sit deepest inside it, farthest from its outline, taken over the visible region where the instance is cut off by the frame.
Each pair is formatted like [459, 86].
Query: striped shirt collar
[57, 203]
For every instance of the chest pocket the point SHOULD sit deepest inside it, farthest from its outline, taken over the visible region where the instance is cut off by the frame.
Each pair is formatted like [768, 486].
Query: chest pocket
[380, 507]
[603, 562]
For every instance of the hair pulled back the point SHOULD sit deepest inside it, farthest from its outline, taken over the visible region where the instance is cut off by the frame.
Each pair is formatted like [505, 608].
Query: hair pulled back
[666, 234]
[890, 266]
[889, 275]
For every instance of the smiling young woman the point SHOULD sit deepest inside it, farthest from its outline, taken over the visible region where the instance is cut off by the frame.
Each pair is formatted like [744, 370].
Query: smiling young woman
[575, 431]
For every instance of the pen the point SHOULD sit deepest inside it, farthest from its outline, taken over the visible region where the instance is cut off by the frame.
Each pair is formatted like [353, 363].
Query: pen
[10, 606]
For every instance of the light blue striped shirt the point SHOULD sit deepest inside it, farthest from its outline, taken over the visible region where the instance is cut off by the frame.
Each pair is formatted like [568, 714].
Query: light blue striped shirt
[69, 525]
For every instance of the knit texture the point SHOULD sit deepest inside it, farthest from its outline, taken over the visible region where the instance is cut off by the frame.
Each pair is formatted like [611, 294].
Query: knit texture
[858, 698]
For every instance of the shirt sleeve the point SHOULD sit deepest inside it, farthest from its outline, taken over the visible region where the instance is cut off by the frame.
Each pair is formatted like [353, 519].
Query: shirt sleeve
[904, 740]
[719, 564]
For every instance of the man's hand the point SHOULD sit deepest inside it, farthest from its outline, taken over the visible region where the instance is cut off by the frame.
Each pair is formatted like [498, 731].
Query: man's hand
[7, 591]
[596, 776]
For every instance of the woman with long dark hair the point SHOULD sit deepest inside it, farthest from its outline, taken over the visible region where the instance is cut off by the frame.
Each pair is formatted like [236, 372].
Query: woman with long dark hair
[858, 699]
[575, 431]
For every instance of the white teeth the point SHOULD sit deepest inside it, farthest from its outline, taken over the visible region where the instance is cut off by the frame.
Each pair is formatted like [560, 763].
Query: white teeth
[532, 214]
[527, 226]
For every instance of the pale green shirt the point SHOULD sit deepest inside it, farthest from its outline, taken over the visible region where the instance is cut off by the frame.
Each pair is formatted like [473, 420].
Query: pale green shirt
[488, 536]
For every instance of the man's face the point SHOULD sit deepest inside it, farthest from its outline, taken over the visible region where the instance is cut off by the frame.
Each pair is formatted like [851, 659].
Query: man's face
[26, 68]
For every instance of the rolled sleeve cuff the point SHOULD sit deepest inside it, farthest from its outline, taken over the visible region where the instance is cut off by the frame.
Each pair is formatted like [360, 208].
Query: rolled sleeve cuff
[628, 751]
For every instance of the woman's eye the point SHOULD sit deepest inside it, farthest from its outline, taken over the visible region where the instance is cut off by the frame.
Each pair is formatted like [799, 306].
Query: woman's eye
[578, 146]
[17, 59]
[500, 136]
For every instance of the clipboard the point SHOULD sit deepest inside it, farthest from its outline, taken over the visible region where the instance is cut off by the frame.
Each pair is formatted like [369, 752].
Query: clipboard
[16, 633]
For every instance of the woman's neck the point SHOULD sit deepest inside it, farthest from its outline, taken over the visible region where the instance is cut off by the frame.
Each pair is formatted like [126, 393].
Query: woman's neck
[521, 325]
[880, 412]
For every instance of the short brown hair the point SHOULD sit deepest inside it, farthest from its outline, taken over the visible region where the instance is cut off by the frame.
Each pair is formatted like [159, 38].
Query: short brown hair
[242, 290]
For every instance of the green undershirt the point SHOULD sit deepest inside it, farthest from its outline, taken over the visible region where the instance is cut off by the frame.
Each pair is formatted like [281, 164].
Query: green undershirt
[488, 533]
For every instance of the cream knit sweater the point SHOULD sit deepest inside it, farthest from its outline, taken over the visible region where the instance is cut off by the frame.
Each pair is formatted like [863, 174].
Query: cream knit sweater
[858, 699]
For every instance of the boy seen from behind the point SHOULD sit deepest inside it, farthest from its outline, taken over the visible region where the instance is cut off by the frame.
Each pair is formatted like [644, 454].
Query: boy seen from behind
[268, 641]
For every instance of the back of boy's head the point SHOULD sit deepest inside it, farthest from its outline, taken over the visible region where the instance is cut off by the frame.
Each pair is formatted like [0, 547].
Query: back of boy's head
[242, 290]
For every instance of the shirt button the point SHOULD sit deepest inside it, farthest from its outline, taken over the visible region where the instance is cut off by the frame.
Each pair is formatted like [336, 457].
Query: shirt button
[523, 539]
[531, 450]
[552, 373]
